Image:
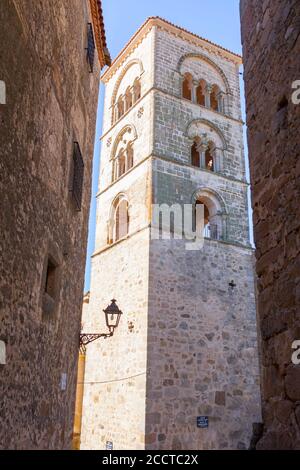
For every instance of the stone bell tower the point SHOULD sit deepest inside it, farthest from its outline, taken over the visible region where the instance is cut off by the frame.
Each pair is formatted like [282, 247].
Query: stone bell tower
[181, 371]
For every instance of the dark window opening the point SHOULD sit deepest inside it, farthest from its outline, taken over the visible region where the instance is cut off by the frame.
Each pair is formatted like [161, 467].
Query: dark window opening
[78, 173]
[200, 96]
[210, 230]
[195, 155]
[137, 91]
[121, 109]
[283, 103]
[214, 102]
[128, 99]
[90, 50]
[209, 160]
[187, 87]
[50, 287]
[50, 279]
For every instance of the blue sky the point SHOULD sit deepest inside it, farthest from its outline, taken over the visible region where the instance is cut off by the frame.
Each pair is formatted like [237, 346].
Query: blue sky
[216, 20]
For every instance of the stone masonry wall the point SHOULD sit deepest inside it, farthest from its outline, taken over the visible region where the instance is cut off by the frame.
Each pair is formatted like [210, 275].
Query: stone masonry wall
[202, 347]
[173, 184]
[51, 102]
[174, 50]
[271, 44]
[174, 118]
[115, 373]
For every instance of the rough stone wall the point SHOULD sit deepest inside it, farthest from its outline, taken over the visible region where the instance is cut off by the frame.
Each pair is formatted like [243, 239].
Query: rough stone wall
[51, 102]
[271, 44]
[202, 347]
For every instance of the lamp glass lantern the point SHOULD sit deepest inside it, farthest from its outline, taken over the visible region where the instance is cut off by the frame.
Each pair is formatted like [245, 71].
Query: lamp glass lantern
[112, 316]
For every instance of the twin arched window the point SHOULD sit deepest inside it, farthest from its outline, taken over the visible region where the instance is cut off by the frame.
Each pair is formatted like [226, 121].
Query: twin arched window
[126, 101]
[123, 152]
[203, 155]
[119, 220]
[123, 161]
[202, 93]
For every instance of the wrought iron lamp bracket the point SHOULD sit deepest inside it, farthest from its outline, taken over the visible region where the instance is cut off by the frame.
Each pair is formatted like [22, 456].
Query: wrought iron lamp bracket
[87, 338]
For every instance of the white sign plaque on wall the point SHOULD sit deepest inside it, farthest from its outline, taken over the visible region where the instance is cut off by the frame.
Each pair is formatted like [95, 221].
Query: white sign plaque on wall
[2, 92]
[2, 353]
[63, 382]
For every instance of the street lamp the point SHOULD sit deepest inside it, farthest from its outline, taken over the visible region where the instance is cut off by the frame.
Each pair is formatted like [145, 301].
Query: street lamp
[112, 318]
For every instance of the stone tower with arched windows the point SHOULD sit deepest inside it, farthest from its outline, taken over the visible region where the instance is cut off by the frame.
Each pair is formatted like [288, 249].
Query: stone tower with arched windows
[181, 371]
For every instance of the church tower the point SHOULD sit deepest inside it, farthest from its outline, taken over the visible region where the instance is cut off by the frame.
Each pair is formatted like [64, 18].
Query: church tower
[181, 371]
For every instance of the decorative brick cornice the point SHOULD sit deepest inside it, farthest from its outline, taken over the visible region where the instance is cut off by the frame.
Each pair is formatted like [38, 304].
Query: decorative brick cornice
[173, 29]
[99, 33]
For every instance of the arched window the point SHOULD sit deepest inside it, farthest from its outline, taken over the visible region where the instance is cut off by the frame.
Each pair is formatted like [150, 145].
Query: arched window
[123, 162]
[205, 215]
[200, 92]
[137, 91]
[187, 86]
[210, 230]
[195, 154]
[122, 155]
[119, 223]
[212, 222]
[133, 69]
[203, 154]
[214, 98]
[128, 99]
[120, 106]
[212, 145]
